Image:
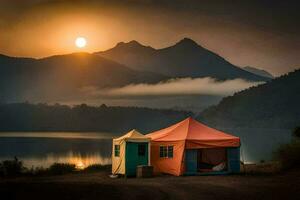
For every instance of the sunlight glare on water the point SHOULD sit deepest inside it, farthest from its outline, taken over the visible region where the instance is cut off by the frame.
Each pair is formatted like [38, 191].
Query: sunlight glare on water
[42, 149]
[80, 161]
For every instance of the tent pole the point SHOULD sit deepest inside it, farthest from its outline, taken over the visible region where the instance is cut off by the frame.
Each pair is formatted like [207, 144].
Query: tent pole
[149, 154]
[243, 160]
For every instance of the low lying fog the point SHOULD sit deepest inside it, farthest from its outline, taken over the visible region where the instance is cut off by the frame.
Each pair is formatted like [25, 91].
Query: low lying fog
[178, 86]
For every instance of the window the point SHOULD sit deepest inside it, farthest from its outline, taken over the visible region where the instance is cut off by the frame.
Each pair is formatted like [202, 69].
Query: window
[166, 151]
[141, 149]
[163, 151]
[117, 150]
[170, 151]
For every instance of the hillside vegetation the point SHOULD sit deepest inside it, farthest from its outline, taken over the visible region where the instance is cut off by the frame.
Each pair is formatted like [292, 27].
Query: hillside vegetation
[274, 104]
[43, 117]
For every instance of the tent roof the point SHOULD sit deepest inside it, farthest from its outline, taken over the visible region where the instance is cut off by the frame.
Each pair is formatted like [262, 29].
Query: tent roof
[133, 135]
[190, 129]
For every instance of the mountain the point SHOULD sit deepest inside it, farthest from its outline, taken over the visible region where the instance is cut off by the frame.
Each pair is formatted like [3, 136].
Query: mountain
[274, 104]
[259, 72]
[184, 59]
[63, 76]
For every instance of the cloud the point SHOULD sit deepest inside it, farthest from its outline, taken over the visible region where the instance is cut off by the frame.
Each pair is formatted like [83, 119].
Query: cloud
[175, 87]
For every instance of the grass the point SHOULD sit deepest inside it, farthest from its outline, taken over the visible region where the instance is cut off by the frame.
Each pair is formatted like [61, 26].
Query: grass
[266, 168]
[62, 168]
[11, 167]
[14, 168]
[288, 155]
[96, 167]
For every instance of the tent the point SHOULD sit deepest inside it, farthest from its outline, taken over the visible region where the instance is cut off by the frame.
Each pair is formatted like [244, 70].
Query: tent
[190, 147]
[129, 151]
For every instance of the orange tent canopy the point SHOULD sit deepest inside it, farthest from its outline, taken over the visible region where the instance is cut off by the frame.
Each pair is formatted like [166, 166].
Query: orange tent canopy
[187, 134]
[195, 134]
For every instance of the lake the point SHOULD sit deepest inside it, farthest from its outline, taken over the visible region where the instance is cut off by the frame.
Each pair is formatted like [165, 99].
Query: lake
[83, 149]
[44, 148]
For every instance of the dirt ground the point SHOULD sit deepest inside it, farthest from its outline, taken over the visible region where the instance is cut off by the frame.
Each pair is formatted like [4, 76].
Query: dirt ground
[100, 186]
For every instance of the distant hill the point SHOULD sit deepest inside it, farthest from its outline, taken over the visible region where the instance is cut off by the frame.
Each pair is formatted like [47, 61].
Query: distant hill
[43, 117]
[259, 72]
[184, 59]
[59, 77]
[274, 104]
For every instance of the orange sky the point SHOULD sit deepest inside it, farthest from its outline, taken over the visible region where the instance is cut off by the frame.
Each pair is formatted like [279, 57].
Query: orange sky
[39, 28]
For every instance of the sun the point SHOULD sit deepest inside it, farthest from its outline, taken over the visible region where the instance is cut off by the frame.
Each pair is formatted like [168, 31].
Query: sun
[80, 42]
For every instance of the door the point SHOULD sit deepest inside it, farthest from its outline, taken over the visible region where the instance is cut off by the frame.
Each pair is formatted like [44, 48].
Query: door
[136, 154]
[233, 156]
[191, 161]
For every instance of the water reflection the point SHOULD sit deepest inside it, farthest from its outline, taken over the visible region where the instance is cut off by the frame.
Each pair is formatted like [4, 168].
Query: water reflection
[44, 151]
[81, 161]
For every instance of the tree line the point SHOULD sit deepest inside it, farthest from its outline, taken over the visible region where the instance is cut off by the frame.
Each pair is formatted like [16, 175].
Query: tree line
[57, 117]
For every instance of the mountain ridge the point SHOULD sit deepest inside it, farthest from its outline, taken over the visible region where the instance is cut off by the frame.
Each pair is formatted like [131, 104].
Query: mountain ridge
[63, 75]
[186, 58]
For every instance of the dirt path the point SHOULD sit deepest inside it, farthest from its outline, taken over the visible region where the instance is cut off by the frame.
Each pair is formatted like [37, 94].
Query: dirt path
[100, 186]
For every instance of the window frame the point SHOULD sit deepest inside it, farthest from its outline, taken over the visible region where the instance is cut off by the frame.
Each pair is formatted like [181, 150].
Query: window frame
[170, 155]
[117, 150]
[166, 151]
